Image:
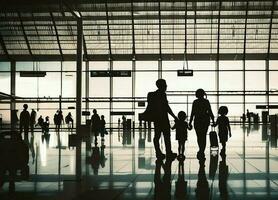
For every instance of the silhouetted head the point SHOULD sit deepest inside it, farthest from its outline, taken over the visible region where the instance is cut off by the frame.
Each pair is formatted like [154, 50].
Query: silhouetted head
[200, 93]
[223, 110]
[102, 116]
[69, 113]
[25, 106]
[161, 85]
[95, 111]
[182, 115]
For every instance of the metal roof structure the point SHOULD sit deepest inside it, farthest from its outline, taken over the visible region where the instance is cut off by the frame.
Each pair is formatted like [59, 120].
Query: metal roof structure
[142, 29]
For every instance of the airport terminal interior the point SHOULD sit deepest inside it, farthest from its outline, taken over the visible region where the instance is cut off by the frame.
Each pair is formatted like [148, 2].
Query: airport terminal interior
[61, 61]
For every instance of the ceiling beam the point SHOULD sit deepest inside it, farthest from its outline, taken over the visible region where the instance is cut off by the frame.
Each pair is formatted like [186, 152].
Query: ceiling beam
[57, 36]
[133, 32]
[143, 57]
[108, 29]
[270, 30]
[129, 18]
[25, 36]
[2, 43]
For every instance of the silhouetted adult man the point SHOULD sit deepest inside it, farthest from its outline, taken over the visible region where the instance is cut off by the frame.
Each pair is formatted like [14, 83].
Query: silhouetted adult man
[24, 121]
[158, 104]
[95, 124]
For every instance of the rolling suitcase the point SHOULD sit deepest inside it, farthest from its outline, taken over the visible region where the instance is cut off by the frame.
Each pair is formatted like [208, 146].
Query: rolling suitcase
[213, 140]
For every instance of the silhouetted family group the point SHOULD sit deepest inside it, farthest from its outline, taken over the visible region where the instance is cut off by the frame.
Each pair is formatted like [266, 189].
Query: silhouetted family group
[158, 109]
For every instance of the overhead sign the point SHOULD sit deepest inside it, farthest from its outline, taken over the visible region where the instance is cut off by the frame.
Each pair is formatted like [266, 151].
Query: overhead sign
[108, 73]
[121, 113]
[185, 72]
[32, 74]
[266, 106]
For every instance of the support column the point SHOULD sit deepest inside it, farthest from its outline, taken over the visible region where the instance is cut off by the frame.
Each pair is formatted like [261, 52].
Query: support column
[79, 60]
[110, 116]
[87, 87]
[13, 104]
[159, 68]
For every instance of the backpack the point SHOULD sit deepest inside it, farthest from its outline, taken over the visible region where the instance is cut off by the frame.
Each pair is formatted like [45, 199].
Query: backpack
[149, 113]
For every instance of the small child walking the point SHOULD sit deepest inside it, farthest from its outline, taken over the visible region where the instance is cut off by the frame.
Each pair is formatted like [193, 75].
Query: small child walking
[224, 128]
[181, 127]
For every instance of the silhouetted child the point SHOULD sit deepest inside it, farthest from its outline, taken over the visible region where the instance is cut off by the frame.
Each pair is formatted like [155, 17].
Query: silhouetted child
[181, 127]
[223, 127]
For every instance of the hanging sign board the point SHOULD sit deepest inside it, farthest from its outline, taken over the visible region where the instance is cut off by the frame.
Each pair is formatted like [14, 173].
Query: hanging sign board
[32, 74]
[185, 72]
[141, 103]
[108, 73]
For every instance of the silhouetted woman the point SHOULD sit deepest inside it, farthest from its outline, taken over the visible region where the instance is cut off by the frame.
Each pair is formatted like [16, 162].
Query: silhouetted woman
[201, 113]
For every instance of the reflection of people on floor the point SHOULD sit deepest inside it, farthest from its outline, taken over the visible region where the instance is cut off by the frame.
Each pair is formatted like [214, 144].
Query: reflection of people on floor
[32, 148]
[69, 121]
[162, 188]
[213, 163]
[201, 113]
[14, 155]
[102, 156]
[224, 128]
[223, 176]
[181, 127]
[33, 120]
[24, 121]
[181, 184]
[95, 159]
[202, 189]
[95, 124]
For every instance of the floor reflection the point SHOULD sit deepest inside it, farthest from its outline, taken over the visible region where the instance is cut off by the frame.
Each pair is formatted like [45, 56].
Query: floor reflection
[129, 169]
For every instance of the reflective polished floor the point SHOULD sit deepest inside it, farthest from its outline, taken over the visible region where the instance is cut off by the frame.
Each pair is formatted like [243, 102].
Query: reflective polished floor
[123, 166]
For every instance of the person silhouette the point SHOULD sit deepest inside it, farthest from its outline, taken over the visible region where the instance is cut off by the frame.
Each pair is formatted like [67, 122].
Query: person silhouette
[248, 115]
[102, 127]
[33, 120]
[40, 122]
[95, 124]
[223, 128]
[24, 121]
[201, 113]
[60, 120]
[202, 190]
[55, 119]
[69, 121]
[181, 127]
[158, 104]
[46, 125]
